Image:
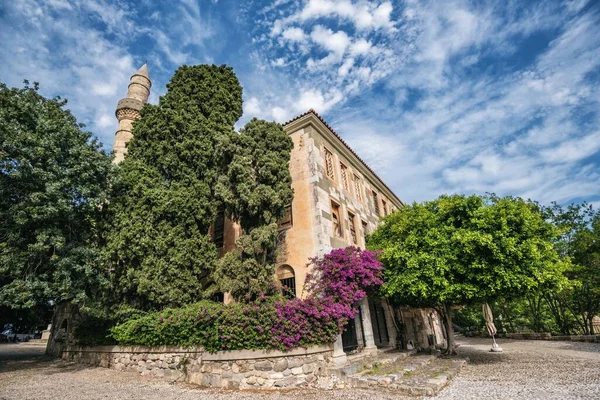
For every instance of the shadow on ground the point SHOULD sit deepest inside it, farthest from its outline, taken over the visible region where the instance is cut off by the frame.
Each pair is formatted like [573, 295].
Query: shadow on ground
[16, 357]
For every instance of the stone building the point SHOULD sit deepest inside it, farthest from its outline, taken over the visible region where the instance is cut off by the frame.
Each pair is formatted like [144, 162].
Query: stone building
[338, 201]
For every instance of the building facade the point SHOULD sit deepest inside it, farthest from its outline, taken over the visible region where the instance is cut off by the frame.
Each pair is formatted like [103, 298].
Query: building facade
[338, 201]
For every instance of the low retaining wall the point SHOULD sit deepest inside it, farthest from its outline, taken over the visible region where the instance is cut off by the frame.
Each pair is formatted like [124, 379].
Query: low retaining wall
[241, 369]
[548, 336]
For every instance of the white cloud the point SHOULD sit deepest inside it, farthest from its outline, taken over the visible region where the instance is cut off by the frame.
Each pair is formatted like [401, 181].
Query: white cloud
[294, 34]
[280, 114]
[365, 15]
[335, 42]
[573, 150]
[279, 62]
[252, 107]
[360, 47]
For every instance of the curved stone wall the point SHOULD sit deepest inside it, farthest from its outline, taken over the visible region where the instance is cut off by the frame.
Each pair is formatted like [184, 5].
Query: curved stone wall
[238, 369]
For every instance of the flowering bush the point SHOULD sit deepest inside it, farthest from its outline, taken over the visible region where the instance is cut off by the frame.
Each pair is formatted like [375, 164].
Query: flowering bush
[339, 279]
[344, 275]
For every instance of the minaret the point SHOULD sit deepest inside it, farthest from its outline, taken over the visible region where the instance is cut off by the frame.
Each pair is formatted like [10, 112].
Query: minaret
[128, 110]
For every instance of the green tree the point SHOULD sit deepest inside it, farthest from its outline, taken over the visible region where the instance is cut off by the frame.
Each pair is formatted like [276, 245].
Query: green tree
[53, 178]
[580, 242]
[163, 200]
[459, 250]
[255, 189]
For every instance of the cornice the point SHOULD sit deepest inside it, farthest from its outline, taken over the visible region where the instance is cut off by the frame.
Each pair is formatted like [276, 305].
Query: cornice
[311, 117]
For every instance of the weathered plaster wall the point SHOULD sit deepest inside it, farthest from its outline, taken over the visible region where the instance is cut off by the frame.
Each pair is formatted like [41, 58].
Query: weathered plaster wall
[297, 244]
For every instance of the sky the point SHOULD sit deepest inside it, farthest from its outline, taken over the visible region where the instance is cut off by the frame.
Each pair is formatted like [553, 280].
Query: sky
[438, 97]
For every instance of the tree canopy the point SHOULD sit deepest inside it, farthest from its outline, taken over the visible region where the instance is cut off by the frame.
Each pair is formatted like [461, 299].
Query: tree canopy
[459, 250]
[255, 190]
[163, 201]
[53, 179]
[579, 225]
[184, 164]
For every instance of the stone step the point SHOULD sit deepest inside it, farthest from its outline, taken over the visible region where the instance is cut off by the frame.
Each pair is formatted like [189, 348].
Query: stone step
[367, 362]
[418, 375]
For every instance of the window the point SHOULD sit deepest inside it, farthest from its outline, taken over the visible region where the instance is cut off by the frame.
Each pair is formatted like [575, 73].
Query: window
[337, 222]
[357, 190]
[376, 204]
[219, 231]
[383, 203]
[345, 182]
[329, 164]
[287, 221]
[218, 297]
[365, 228]
[352, 228]
[287, 278]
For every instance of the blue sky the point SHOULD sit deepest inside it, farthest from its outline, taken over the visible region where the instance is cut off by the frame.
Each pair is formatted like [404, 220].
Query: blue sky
[437, 96]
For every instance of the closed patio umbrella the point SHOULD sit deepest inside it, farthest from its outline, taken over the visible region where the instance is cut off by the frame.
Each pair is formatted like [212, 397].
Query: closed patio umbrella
[489, 322]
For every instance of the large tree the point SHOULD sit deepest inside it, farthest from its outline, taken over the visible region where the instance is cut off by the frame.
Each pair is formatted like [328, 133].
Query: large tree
[163, 201]
[255, 190]
[53, 178]
[579, 225]
[459, 250]
[184, 164]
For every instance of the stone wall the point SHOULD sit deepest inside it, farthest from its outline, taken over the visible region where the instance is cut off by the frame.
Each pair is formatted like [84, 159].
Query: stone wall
[549, 336]
[161, 361]
[242, 369]
[263, 369]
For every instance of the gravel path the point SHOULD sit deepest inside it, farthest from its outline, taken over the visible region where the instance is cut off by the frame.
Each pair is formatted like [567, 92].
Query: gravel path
[26, 374]
[526, 370]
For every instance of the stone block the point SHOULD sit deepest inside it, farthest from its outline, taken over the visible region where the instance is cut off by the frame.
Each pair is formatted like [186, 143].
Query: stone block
[230, 384]
[263, 366]
[251, 380]
[297, 370]
[276, 375]
[269, 383]
[308, 368]
[235, 368]
[280, 365]
[295, 362]
[195, 378]
[286, 382]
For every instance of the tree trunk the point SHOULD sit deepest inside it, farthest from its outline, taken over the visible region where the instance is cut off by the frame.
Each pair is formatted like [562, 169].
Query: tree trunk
[447, 318]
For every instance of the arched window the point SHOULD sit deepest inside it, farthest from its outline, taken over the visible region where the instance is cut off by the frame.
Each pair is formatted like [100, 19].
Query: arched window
[287, 278]
[218, 297]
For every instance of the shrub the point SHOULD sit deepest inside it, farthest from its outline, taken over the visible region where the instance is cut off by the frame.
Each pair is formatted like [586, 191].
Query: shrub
[339, 279]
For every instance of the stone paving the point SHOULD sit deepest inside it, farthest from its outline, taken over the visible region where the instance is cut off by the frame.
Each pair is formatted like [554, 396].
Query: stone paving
[526, 370]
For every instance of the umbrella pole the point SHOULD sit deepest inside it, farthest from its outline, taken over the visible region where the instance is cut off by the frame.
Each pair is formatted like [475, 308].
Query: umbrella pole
[495, 347]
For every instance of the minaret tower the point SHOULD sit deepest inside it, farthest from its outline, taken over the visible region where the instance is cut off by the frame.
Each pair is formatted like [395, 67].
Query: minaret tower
[128, 110]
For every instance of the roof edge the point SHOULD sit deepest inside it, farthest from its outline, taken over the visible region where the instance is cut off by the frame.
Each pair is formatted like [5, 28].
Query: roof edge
[322, 120]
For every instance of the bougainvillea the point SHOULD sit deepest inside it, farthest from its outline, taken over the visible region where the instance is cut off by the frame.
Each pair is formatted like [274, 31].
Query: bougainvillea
[338, 280]
[344, 275]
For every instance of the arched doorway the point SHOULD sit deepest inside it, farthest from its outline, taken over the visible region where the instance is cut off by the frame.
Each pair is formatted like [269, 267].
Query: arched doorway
[287, 278]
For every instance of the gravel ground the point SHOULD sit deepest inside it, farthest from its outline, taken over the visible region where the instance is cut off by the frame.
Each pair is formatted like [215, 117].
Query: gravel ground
[531, 369]
[25, 373]
[526, 370]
